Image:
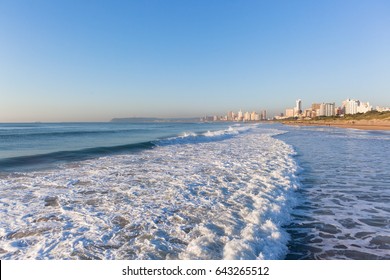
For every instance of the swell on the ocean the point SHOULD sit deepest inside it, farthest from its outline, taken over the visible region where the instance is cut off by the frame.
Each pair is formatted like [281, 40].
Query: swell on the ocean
[50, 159]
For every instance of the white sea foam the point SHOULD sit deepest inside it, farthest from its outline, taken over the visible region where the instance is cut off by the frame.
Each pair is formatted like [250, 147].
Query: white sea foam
[208, 136]
[225, 198]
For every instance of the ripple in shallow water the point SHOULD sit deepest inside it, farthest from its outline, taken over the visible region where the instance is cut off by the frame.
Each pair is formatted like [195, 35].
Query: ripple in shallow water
[344, 196]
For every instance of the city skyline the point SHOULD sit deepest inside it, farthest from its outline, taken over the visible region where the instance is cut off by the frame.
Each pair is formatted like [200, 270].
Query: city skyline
[94, 61]
[328, 109]
[315, 109]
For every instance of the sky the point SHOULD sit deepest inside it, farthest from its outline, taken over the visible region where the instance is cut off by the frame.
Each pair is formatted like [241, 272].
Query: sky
[79, 60]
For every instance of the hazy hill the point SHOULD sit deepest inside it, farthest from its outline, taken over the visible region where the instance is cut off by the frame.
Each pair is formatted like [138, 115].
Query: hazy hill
[141, 119]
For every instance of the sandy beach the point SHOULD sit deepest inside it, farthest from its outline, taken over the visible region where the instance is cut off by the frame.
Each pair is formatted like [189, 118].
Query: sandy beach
[356, 124]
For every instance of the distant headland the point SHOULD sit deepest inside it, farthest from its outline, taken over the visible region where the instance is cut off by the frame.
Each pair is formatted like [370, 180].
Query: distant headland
[148, 120]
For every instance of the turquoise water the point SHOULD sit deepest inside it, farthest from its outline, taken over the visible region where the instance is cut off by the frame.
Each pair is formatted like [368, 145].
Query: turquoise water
[33, 145]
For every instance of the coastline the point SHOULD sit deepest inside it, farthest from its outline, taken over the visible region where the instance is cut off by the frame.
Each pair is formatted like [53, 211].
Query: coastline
[355, 124]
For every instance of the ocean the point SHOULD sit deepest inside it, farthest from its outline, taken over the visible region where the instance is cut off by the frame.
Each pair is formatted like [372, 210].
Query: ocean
[193, 191]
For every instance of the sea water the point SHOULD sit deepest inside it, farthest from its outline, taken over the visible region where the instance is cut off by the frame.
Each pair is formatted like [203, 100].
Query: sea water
[344, 200]
[192, 191]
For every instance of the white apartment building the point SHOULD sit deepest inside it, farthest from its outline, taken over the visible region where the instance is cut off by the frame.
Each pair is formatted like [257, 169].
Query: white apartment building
[247, 116]
[240, 117]
[327, 109]
[382, 109]
[364, 107]
[352, 106]
[255, 116]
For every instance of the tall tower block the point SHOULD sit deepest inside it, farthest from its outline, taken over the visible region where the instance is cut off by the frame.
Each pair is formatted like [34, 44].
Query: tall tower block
[298, 107]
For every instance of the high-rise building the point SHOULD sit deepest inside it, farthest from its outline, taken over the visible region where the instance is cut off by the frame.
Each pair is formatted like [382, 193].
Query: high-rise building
[352, 106]
[330, 109]
[230, 116]
[289, 113]
[321, 111]
[339, 111]
[315, 106]
[327, 109]
[308, 113]
[247, 116]
[364, 107]
[298, 107]
[240, 116]
[263, 115]
[254, 116]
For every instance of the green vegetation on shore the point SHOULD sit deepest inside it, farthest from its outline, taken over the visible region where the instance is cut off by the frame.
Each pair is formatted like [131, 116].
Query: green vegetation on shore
[372, 115]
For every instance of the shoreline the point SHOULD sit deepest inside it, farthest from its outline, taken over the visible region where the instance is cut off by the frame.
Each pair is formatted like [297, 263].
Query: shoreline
[356, 124]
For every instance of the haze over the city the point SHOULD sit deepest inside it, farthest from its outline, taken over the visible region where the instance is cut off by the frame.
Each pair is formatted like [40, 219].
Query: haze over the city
[96, 60]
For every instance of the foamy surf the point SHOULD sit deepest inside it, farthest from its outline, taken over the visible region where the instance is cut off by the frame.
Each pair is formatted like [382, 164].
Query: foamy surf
[225, 198]
[189, 137]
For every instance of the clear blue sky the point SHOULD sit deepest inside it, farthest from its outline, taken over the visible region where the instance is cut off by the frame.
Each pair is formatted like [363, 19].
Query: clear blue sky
[78, 60]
